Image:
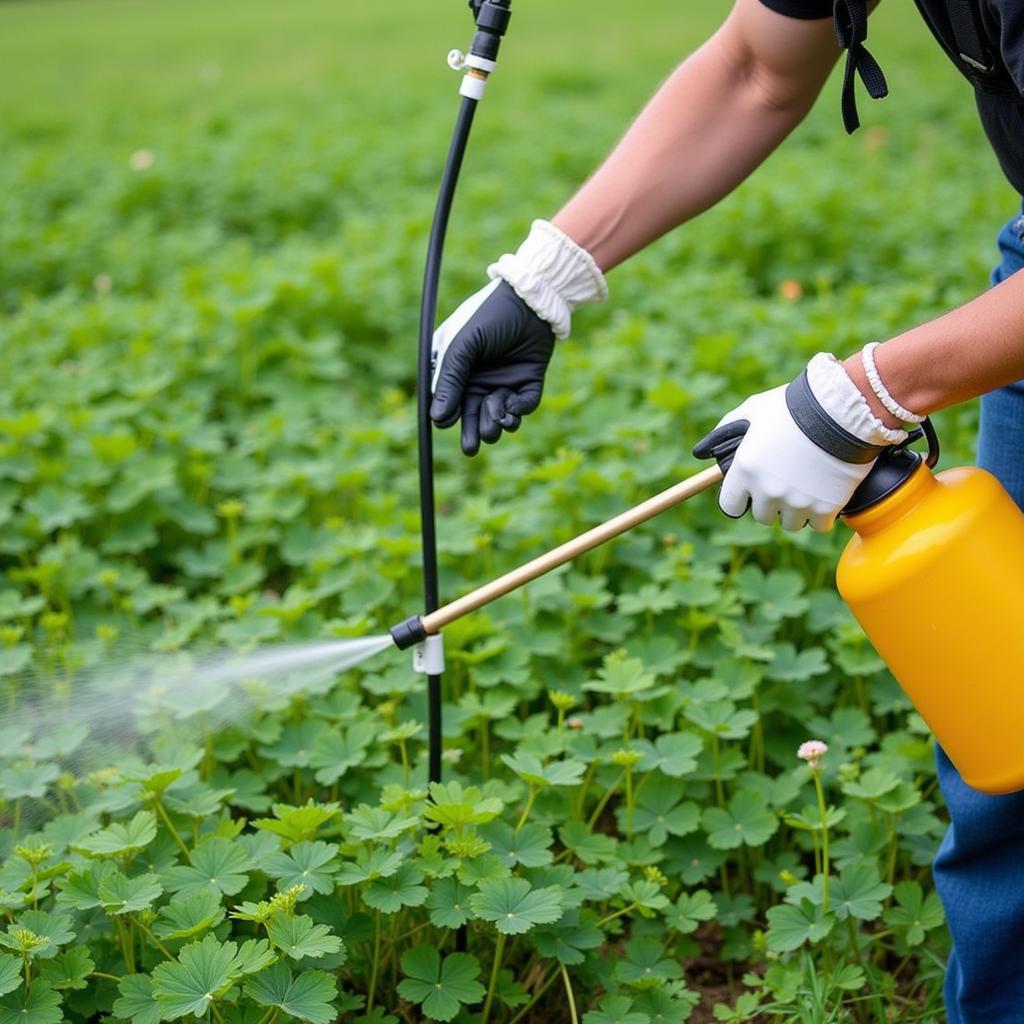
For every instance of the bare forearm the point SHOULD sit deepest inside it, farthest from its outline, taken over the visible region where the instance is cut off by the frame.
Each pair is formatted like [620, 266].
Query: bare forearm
[719, 115]
[960, 355]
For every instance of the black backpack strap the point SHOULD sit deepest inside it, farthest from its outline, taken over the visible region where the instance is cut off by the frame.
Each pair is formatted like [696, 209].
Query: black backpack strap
[851, 21]
[969, 35]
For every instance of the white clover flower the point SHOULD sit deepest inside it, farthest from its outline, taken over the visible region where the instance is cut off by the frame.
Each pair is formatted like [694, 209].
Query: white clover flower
[812, 751]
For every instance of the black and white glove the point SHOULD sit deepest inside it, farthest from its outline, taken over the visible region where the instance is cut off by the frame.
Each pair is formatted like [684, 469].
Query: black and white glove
[491, 354]
[805, 448]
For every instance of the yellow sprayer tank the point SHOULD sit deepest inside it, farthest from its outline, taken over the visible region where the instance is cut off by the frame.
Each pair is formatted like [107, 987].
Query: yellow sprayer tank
[935, 575]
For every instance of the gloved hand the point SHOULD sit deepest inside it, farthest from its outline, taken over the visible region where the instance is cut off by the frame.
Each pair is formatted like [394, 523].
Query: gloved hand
[806, 447]
[491, 354]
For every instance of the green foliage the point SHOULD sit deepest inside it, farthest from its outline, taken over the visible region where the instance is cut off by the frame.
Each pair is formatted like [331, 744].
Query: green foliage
[440, 987]
[211, 258]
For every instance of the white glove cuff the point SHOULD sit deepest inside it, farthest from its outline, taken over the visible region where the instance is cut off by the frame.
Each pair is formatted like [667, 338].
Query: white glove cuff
[844, 402]
[552, 275]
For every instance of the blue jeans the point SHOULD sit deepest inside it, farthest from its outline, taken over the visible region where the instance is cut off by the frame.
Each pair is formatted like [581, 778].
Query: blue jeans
[979, 869]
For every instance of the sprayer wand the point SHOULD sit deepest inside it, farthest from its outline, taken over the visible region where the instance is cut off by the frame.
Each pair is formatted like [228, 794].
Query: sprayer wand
[418, 629]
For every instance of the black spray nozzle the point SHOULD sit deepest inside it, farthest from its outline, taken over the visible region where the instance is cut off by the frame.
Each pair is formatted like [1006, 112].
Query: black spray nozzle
[492, 18]
[408, 633]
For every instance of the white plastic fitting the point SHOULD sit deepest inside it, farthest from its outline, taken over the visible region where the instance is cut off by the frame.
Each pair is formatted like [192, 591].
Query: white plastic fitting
[473, 86]
[428, 656]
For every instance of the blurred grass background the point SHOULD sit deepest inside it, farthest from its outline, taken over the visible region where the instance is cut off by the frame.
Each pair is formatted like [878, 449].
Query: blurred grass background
[305, 141]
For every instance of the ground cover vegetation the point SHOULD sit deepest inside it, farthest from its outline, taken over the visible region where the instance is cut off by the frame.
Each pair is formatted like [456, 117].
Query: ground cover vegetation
[211, 229]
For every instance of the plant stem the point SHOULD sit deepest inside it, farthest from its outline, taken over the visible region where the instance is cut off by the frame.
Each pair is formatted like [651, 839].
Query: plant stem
[166, 818]
[855, 949]
[716, 758]
[499, 949]
[629, 802]
[572, 1000]
[376, 966]
[106, 977]
[126, 949]
[824, 839]
[152, 938]
[587, 779]
[527, 808]
[216, 1013]
[616, 913]
[602, 803]
[535, 997]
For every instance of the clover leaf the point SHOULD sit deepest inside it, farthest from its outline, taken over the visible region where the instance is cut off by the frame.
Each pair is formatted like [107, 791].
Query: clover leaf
[790, 927]
[689, 909]
[513, 907]
[645, 964]
[80, 890]
[297, 823]
[298, 936]
[615, 1009]
[402, 889]
[190, 915]
[10, 973]
[252, 956]
[622, 677]
[674, 754]
[588, 847]
[660, 812]
[914, 913]
[859, 892]
[377, 863]
[306, 997]
[456, 806]
[119, 839]
[746, 821]
[40, 1005]
[374, 824]
[529, 846]
[568, 939]
[448, 903]
[310, 864]
[122, 895]
[136, 1002]
[202, 973]
[442, 988]
[217, 865]
[532, 770]
[69, 969]
[38, 934]
[29, 780]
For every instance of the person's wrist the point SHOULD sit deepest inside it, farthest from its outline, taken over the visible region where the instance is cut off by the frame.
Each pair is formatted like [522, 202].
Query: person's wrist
[552, 275]
[847, 404]
[854, 368]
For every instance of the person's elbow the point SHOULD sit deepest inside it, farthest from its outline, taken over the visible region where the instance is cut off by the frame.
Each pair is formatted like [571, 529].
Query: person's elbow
[778, 63]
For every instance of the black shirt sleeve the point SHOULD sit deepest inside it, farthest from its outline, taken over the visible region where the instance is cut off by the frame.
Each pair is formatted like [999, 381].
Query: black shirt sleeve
[801, 8]
[1005, 23]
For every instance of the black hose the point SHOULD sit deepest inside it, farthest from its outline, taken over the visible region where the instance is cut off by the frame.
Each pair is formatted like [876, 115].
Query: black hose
[428, 318]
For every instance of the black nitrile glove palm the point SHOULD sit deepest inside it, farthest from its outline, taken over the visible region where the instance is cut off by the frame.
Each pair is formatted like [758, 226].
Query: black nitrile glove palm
[489, 360]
